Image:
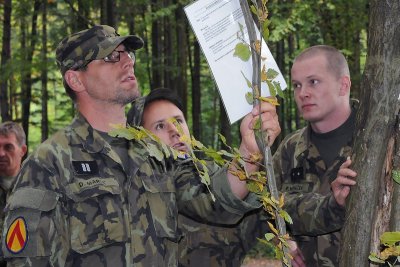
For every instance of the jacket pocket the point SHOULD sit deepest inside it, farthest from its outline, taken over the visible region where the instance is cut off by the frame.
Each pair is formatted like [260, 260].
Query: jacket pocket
[96, 216]
[160, 191]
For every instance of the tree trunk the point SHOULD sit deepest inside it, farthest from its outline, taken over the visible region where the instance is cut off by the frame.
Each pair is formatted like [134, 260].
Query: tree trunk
[168, 53]
[44, 79]
[27, 75]
[5, 59]
[196, 91]
[181, 51]
[156, 49]
[371, 200]
[111, 14]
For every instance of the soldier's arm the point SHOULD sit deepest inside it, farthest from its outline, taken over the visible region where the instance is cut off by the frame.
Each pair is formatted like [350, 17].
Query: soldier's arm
[34, 224]
[194, 199]
[265, 116]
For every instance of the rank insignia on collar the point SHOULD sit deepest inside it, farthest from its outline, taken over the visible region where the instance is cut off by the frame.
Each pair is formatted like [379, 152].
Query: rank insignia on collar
[17, 236]
[85, 167]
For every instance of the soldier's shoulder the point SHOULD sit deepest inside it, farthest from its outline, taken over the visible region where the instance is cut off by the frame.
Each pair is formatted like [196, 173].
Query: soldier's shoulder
[57, 142]
[295, 136]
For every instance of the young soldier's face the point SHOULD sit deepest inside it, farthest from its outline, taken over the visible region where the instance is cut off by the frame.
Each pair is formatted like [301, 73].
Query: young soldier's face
[316, 89]
[164, 119]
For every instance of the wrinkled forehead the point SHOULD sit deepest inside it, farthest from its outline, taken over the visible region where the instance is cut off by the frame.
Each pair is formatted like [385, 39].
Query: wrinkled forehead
[8, 139]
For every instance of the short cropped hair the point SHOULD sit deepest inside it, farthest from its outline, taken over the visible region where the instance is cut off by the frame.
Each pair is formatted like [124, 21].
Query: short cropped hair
[337, 63]
[10, 127]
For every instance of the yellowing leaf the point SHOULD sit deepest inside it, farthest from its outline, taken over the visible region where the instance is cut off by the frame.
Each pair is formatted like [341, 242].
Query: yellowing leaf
[264, 74]
[271, 100]
[242, 51]
[185, 139]
[257, 46]
[273, 229]
[390, 238]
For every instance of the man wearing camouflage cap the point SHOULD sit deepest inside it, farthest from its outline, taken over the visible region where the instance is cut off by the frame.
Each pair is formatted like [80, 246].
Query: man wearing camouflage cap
[84, 198]
[312, 164]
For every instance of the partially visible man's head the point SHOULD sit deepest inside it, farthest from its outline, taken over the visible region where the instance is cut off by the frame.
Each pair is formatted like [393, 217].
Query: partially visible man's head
[336, 63]
[163, 116]
[12, 148]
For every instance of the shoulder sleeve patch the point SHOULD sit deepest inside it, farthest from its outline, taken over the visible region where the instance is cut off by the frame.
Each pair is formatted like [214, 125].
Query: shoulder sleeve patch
[17, 236]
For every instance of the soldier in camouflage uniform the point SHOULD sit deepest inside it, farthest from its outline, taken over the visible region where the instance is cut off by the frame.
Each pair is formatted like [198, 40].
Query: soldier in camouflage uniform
[84, 198]
[12, 150]
[311, 164]
[202, 244]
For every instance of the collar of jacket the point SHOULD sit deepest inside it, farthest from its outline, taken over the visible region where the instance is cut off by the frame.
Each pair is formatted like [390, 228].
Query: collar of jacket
[303, 136]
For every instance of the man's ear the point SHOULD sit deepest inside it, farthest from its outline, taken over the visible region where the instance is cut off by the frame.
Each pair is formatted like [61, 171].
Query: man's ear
[23, 150]
[73, 80]
[345, 84]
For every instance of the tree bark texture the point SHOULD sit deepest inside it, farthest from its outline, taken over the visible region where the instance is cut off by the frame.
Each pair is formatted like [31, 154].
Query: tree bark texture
[371, 200]
[5, 58]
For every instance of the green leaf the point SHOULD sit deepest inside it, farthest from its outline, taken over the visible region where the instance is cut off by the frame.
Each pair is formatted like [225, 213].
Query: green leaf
[279, 89]
[271, 87]
[272, 74]
[269, 236]
[241, 29]
[390, 238]
[249, 98]
[373, 257]
[265, 30]
[254, 10]
[242, 51]
[215, 156]
[155, 151]
[396, 176]
[247, 80]
[286, 216]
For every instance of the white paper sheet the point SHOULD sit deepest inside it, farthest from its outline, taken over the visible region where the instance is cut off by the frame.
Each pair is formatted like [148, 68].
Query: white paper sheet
[216, 25]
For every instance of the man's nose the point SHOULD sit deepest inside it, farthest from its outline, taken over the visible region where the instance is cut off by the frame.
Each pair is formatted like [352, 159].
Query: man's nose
[304, 92]
[173, 129]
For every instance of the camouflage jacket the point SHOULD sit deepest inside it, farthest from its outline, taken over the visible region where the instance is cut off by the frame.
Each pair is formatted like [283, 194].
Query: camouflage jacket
[74, 204]
[205, 244]
[3, 198]
[303, 176]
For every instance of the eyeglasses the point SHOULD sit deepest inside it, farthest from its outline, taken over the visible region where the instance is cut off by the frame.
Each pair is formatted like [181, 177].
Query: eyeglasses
[115, 56]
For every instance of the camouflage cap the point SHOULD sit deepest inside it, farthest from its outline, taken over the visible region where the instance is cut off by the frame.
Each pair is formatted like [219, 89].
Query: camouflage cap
[97, 42]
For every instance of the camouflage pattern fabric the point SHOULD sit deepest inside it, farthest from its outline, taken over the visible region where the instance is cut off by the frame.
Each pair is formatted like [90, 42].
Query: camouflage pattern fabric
[303, 176]
[74, 204]
[3, 199]
[206, 244]
[78, 49]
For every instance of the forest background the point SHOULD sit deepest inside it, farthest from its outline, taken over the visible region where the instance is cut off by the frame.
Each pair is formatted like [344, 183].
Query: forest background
[31, 90]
